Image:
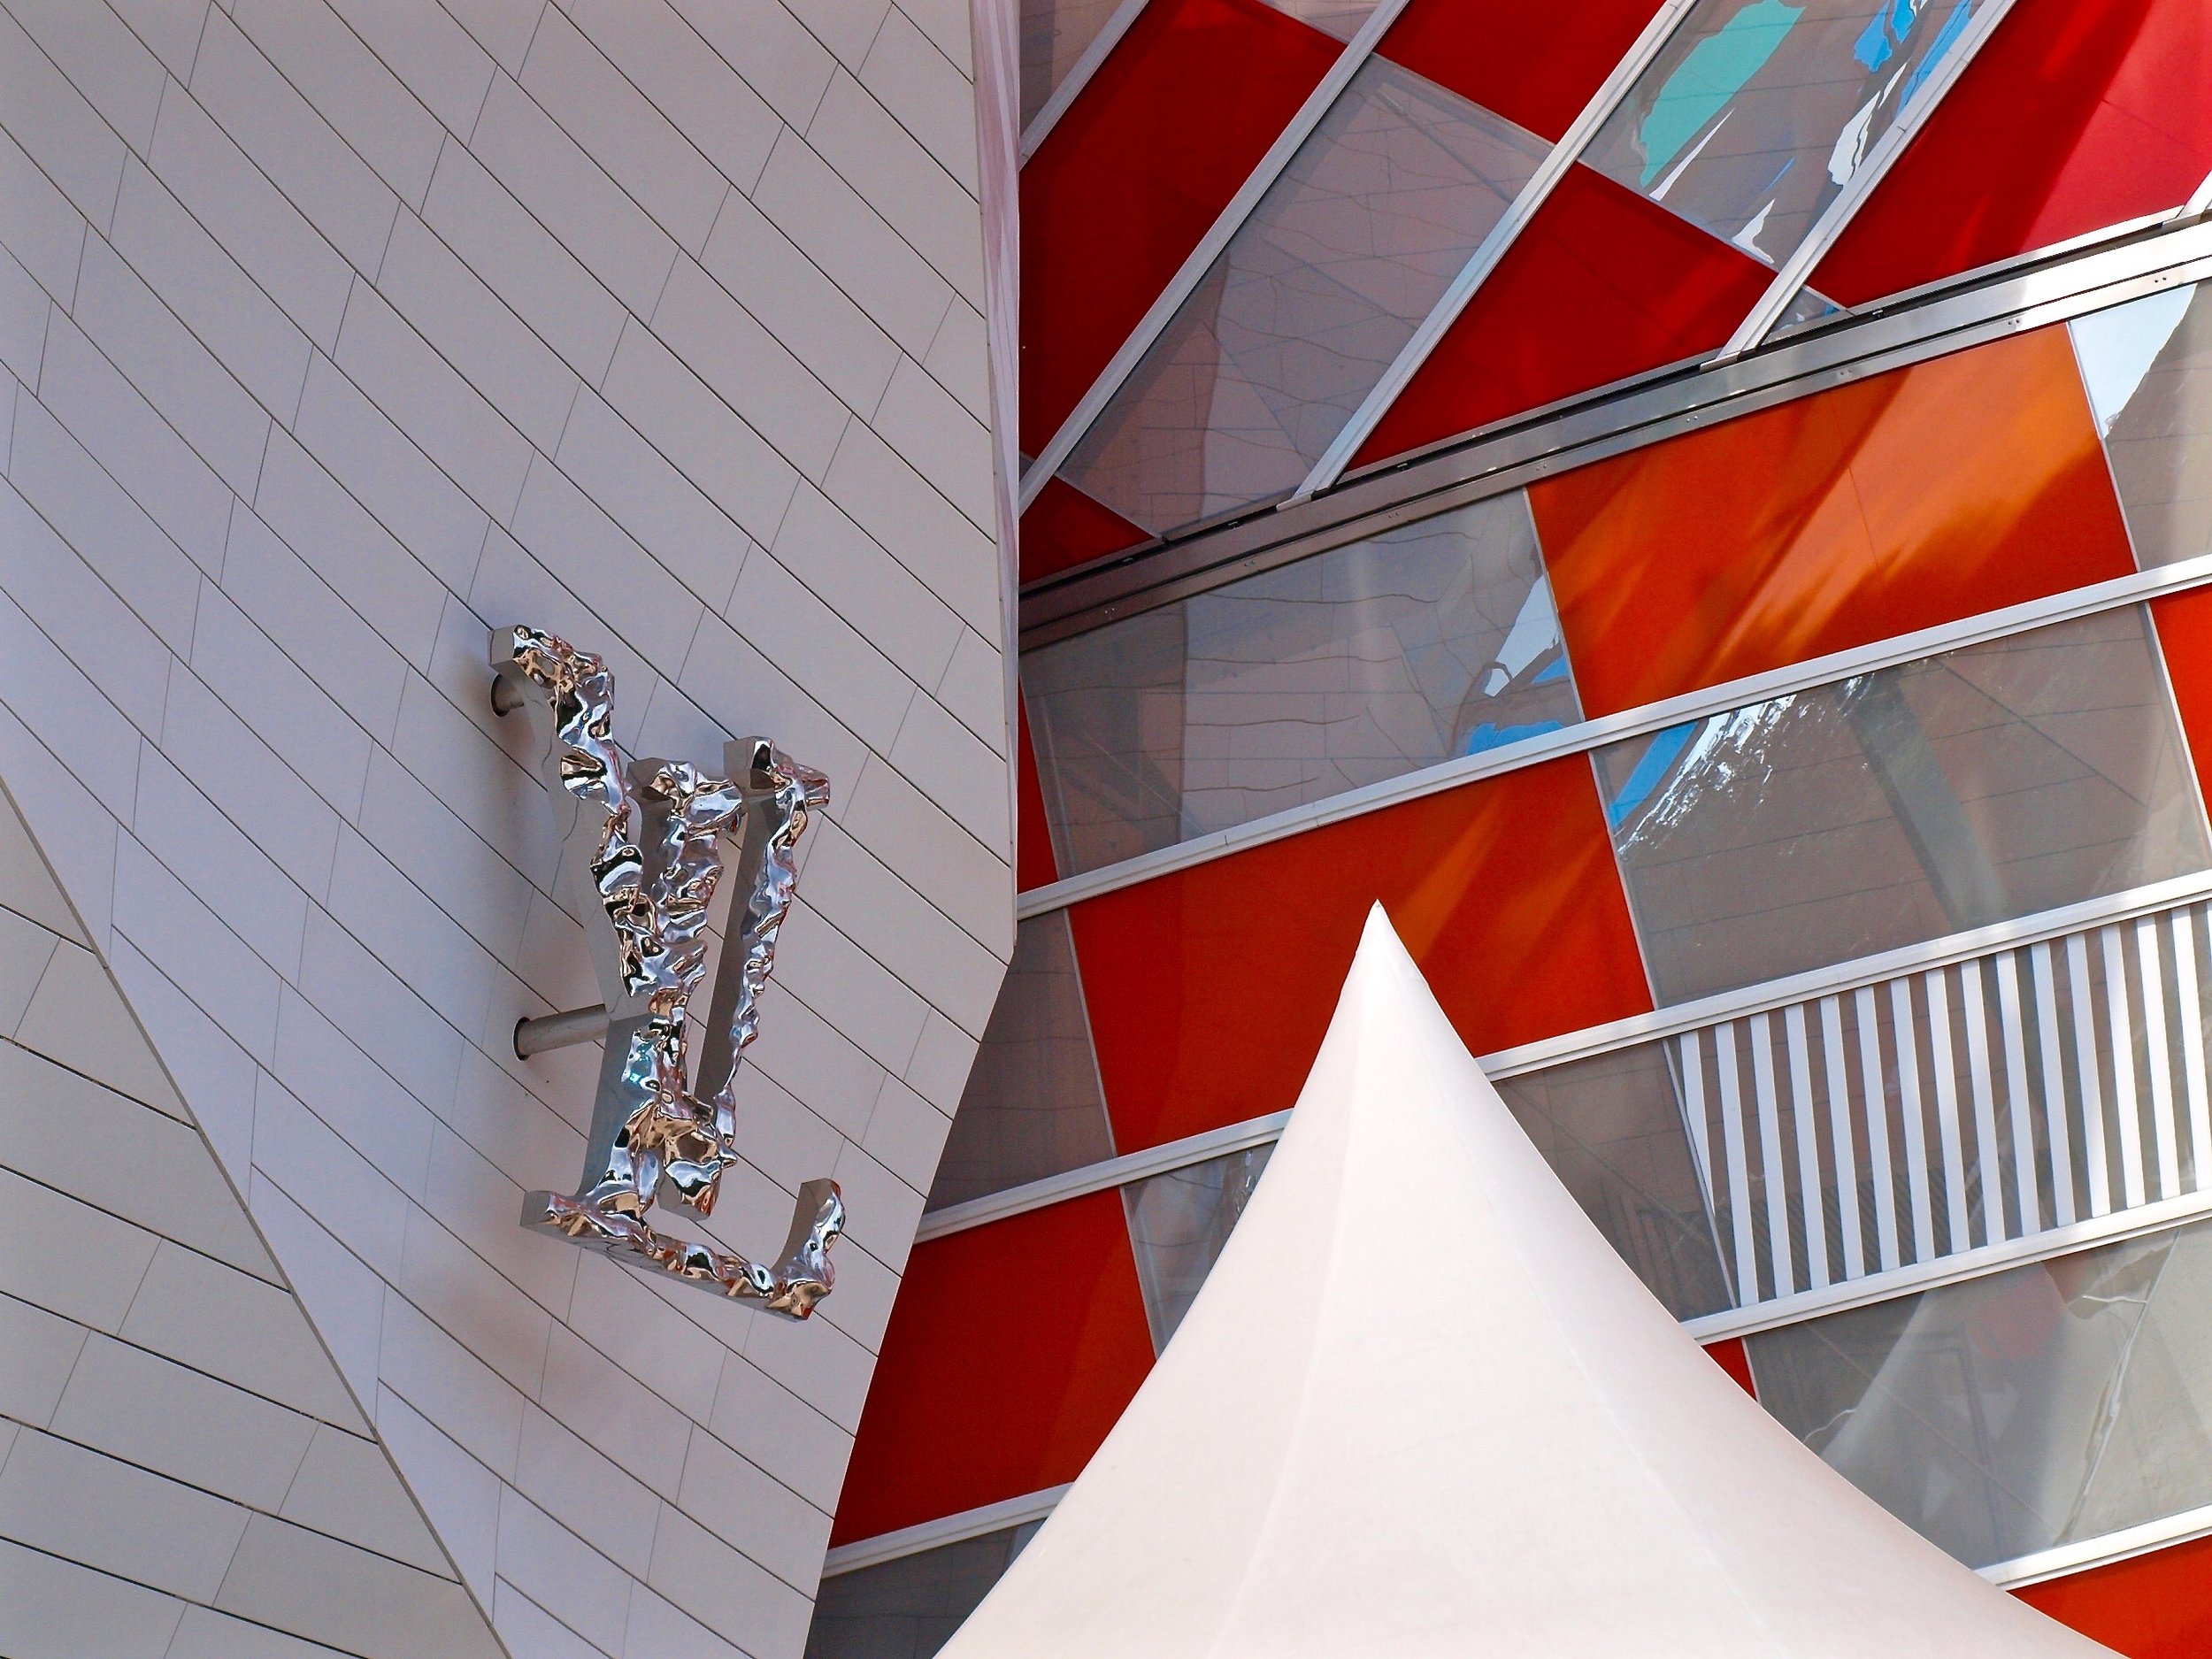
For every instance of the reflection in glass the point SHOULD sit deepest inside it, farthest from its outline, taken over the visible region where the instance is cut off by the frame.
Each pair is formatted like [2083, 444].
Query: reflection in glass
[1032, 1106]
[908, 1608]
[1992, 782]
[1428, 641]
[1312, 300]
[2148, 365]
[1757, 112]
[1054, 34]
[1611, 1129]
[1179, 1223]
[1339, 18]
[2049, 1404]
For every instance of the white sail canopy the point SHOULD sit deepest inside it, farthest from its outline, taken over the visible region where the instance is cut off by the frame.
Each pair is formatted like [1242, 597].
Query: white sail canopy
[1421, 1407]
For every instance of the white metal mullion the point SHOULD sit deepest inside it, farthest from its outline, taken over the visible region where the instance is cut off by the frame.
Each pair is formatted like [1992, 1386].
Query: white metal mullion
[1840, 1135]
[2053, 1059]
[1974, 1010]
[2192, 1016]
[1916, 1119]
[1739, 1172]
[2200, 202]
[1949, 1109]
[1772, 1163]
[1878, 1129]
[1078, 76]
[1826, 230]
[2094, 1148]
[2012, 1031]
[1802, 1106]
[1493, 248]
[2159, 1057]
[1211, 248]
[2126, 1108]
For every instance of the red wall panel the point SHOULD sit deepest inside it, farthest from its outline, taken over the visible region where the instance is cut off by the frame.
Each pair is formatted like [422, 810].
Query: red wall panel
[1536, 65]
[2078, 114]
[2157, 1606]
[2184, 622]
[1063, 527]
[1601, 284]
[1934, 492]
[1210, 987]
[1144, 160]
[1011, 1350]
[1035, 865]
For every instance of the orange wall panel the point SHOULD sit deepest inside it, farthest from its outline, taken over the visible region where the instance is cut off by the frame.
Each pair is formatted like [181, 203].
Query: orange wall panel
[1210, 989]
[1011, 1350]
[2157, 1606]
[1931, 493]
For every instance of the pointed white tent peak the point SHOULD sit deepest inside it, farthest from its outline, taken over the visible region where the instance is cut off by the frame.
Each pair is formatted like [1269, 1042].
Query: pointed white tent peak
[1421, 1407]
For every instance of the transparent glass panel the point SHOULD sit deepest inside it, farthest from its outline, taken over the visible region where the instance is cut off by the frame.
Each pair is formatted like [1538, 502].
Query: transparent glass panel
[1992, 782]
[2148, 365]
[1434, 640]
[1339, 17]
[1757, 112]
[1611, 1128]
[909, 1609]
[1054, 34]
[1179, 1223]
[1310, 304]
[2046, 1405]
[1032, 1106]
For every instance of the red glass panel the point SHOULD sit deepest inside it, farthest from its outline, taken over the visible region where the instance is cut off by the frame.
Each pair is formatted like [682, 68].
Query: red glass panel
[1210, 987]
[2184, 622]
[1729, 1355]
[1934, 492]
[1012, 1348]
[1035, 865]
[2157, 1606]
[1143, 162]
[1536, 65]
[1063, 527]
[2078, 114]
[1601, 286]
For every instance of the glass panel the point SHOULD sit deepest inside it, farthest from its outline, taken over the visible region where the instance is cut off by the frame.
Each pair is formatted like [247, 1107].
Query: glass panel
[1431, 641]
[1339, 18]
[1032, 1106]
[1992, 782]
[1757, 112]
[908, 1608]
[2053, 1403]
[1054, 34]
[2148, 369]
[1179, 1223]
[1311, 301]
[1611, 1129]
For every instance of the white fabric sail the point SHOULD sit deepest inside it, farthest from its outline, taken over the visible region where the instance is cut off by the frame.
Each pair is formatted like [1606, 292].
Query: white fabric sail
[1421, 1407]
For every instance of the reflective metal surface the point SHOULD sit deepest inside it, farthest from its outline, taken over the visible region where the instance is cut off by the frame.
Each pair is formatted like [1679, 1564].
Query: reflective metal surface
[642, 838]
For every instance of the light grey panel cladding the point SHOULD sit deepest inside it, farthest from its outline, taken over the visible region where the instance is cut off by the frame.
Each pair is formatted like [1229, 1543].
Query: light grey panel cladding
[337, 333]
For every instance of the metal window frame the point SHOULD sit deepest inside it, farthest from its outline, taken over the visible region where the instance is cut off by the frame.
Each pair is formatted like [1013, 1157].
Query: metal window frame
[1617, 86]
[1211, 248]
[1078, 76]
[1837, 217]
[952, 1529]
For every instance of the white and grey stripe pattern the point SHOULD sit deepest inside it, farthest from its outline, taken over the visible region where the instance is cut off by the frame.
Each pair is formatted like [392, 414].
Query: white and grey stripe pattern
[1954, 1109]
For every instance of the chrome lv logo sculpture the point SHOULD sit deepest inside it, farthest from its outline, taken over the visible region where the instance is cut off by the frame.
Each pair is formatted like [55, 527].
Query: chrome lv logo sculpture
[643, 840]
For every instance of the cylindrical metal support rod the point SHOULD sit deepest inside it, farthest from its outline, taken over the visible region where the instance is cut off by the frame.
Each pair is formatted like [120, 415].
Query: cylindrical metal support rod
[560, 1031]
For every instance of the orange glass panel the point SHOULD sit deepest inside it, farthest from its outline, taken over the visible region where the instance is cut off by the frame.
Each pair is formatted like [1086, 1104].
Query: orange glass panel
[1210, 987]
[1011, 1350]
[2184, 623]
[2157, 1606]
[1939, 491]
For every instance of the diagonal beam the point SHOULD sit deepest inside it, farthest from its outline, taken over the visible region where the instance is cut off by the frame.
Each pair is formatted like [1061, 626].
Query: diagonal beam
[1493, 248]
[1826, 230]
[1078, 76]
[1186, 282]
